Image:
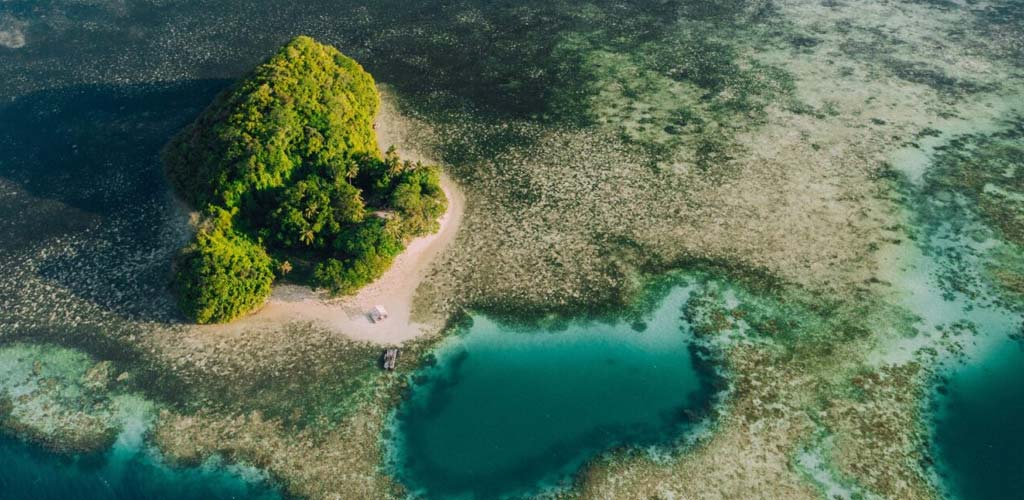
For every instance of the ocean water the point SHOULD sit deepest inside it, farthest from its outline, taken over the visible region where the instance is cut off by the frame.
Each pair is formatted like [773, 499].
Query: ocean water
[508, 410]
[976, 410]
[129, 468]
[92, 90]
[125, 472]
[979, 427]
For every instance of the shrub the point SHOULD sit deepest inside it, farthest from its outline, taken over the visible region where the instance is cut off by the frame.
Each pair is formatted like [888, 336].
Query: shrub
[369, 249]
[419, 199]
[221, 274]
[311, 213]
[289, 154]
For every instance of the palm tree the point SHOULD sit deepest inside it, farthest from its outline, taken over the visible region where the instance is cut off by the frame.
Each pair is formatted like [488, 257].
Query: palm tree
[351, 171]
[311, 210]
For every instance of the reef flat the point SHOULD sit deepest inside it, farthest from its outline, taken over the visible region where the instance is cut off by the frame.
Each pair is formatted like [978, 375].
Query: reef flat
[843, 175]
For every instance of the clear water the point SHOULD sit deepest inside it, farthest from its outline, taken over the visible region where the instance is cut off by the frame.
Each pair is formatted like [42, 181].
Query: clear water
[507, 410]
[127, 469]
[979, 428]
[977, 408]
[123, 473]
[91, 92]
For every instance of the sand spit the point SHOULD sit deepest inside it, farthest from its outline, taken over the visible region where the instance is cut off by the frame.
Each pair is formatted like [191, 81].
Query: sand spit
[394, 290]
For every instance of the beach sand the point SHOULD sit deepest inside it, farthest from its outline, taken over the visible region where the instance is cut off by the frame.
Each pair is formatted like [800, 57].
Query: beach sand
[394, 290]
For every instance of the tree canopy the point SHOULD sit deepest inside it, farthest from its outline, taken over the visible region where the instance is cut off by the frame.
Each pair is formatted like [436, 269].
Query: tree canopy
[286, 167]
[221, 274]
[308, 107]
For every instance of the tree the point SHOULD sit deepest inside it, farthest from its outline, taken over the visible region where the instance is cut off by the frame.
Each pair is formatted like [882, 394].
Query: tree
[419, 199]
[307, 106]
[221, 275]
[286, 162]
[311, 212]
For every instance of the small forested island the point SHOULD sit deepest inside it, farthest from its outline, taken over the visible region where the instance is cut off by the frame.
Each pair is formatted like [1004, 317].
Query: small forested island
[285, 170]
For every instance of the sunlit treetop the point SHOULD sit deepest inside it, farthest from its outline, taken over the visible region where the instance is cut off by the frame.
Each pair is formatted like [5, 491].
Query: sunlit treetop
[308, 107]
[286, 162]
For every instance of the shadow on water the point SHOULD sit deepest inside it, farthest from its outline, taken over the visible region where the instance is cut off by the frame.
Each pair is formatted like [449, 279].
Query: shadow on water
[508, 58]
[96, 147]
[94, 150]
[93, 147]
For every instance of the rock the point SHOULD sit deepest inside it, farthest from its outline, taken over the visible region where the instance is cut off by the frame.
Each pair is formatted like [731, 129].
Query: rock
[97, 378]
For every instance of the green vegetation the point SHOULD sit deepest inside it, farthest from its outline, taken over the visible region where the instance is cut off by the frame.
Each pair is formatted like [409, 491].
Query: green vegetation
[307, 108]
[221, 274]
[285, 164]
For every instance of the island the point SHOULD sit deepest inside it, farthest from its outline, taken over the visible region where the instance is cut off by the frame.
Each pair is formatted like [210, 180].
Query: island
[286, 174]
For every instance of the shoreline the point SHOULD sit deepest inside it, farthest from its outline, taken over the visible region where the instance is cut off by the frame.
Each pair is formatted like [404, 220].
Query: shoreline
[395, 289]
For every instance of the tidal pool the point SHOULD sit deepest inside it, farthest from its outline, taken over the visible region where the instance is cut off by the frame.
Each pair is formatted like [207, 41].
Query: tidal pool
[508, 411]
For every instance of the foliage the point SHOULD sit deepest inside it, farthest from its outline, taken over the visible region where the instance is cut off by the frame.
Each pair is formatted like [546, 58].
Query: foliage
[221, 274]
[377, 176]
[312, 211]
[369, 249]
[410, 188]
[308, 106]
[418, 198]
[288, 158]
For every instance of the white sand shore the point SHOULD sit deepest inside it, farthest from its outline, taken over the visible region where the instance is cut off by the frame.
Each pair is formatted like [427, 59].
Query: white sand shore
[394, 290]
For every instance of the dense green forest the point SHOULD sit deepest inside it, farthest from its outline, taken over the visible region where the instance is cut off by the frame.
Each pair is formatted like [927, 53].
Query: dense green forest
[286, 170]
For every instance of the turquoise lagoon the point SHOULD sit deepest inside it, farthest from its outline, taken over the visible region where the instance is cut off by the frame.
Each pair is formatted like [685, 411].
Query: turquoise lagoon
[127, 471]
[976, 410]
[979, 427]
[509, 410]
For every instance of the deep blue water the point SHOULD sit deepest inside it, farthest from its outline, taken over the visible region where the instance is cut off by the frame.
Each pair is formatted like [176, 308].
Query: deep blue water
[979, 427]
[510, 410]
[28, 472]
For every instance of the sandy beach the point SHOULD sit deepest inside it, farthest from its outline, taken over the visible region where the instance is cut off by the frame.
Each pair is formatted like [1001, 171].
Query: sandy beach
[394, 290]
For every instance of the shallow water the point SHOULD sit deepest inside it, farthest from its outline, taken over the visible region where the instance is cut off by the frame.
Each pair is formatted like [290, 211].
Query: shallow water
[123, 473]
[92, 90]
[36, 379]
[977, 410]
[507, 410]
[976, 413]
